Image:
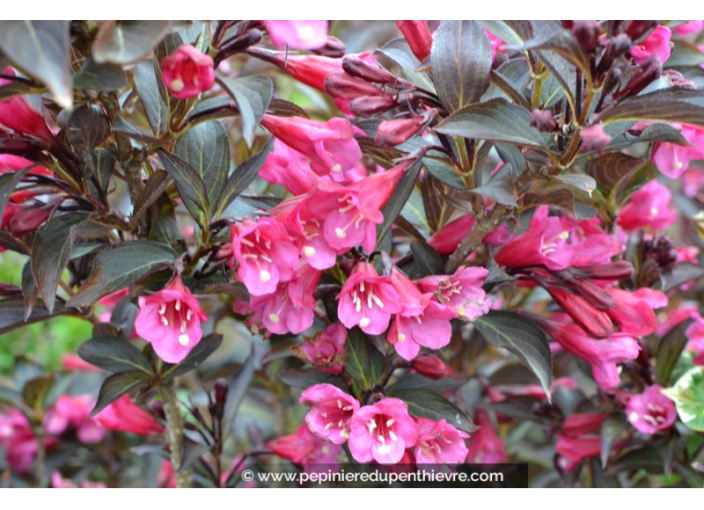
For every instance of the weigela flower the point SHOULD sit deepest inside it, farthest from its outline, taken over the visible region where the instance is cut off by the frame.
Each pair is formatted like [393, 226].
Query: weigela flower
[578, 439]
[461, 291]
[651, 411]
[170, 320]
[59, 482]
[418, 36]
[298, 34]
[265, 255]
[18, 441]
[330, 145]
[497, 45]
[289, 168]
[326, 350]
[689, 27]
[657, 44]
[73, 411]
[594, 138]
[19, 116]
[439, 443]
[422, 321]
[485, 446]
[187, 72]
[603, 355]
[305, 448]
[633, 311]
[382, 432]
[367, 300]
[432, 367]
[11, 163]
[648, 207]
[330, 412]
[126, 416]
[673, 159]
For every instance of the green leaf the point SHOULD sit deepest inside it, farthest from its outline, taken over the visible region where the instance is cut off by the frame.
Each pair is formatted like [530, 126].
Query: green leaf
[461, 61]
[117, 385]
[501, 187]
[673, 104]
[153, 189]
[443, 171]
[393, 207]
[102, 77]
[578, 181]
[522, 337]
[87, 127]
[506, 31]
[688, 394]
[243, 176]
[306, 377]
[42, 49]
[670, 348]
[35, 391]
[496, 120]
[364, 362]
[124, 42]
[611, 169]
[611, 430]
[113, 355]
[661, 133]
[119, 266]
[148, 88]
[50, 253]
[398, 51]
[430, 405]
[253, 95]
[12, 313]
[427, 261]
[190, 186]
[564, 43]
[206, 148]
[207, 346]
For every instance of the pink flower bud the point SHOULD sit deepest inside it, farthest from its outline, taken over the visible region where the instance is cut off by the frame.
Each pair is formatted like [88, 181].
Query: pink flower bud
[187, 72]
[432, 367]
[418, 36]
[394, 132]
[594, 138]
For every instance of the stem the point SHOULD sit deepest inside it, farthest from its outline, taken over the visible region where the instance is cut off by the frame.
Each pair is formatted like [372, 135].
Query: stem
[41, 457]
[174, 422]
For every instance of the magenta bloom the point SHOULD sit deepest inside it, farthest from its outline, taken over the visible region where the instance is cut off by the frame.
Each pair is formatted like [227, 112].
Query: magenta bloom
[10, 163]
[187, 72]
[657, 44]
[298, 34]
[330, 145]
[170, 320]
[439, 443]
[446, 240]
[673, 159]
[544, 244]
[497, 45]
[73, 411]
[594, 138]
[304, 448]
[17, 440]
[124, 415]
[462, 291]
[382, 432]
[289, 309]
[349, 214]
[603, 355]
[418, 36]
[689, 27]
[19, 116]
[633, 312]
[573, 450]
[648, 207]
[485, 446]
[327, 349]
[367, 300]
[330, 413]
[422, 322]
[265, 254]
[289, 168]
[651, 411]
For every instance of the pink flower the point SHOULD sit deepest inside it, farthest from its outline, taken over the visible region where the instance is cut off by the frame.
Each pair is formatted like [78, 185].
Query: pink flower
[304, 448]
[367, 300]
[544, 244]
[418, 36]
[422, 322]
[289, 309]
[462, 291]
[657, 44]
[309, 69]
[497, 45]
[594, 138]
[265, 254]
[330, 412]
[73, 411]
[187, 72]
[651, 411]
[633, 311]
[327, 349]
[583, 423]
[603, 355]
[10, 163]
[349, 214]
[673, 159]
[446, 240]
[330, 145]
[59, 482]
[648, 207]
[306, 231]
[689, 27]
[19, 116]
[573, 450]
[382, 432]
[298, 34]
[170, 320]
[289, 168]
[18, 441]
[124, 415]
[439, 443]
[485, 446]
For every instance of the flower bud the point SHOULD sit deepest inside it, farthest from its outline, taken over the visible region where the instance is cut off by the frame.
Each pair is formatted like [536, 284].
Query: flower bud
[365, 106]
[344, 86]
[596, 323]
[367, 71]
[587, 33]
[418, 36]
[648, 71]
[391, 133]
[334, 48]
[432, 367]
[637, 28]
[619, 270]
[187, 72]
[543, 121]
